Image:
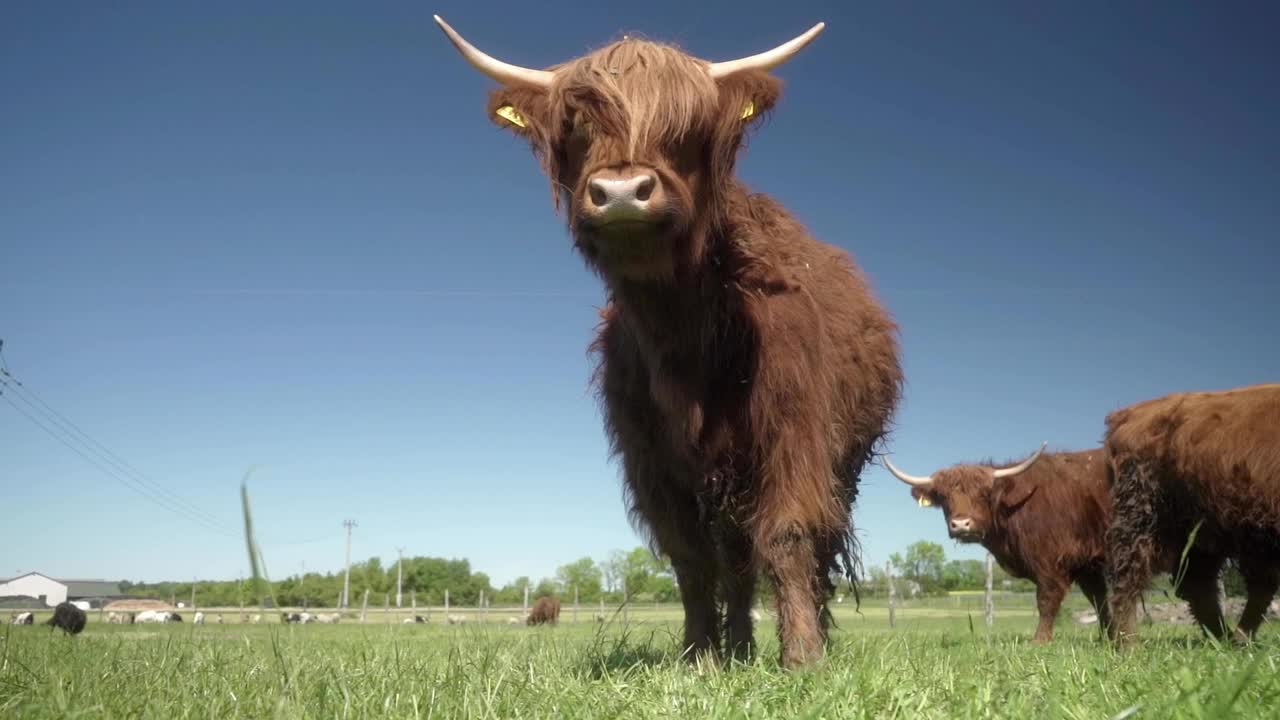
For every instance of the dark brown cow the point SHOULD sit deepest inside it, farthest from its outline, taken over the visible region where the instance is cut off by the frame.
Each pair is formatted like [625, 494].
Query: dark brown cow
[545, 611]
[68, 617]
[746, 371]
[1198, 459]
[1044, 519]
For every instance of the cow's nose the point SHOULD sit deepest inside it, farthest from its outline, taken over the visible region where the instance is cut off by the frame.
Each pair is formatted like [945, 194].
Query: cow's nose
[962, 524]
[623, 194]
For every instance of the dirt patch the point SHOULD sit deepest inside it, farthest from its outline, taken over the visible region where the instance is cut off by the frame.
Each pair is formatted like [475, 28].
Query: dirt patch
[137, 605]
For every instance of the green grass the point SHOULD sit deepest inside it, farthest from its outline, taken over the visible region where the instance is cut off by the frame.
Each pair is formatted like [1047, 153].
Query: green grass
[933, 665]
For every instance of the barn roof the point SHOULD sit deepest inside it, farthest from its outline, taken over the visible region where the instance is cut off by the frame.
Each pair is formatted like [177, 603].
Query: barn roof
[91, 588]
[27, 574]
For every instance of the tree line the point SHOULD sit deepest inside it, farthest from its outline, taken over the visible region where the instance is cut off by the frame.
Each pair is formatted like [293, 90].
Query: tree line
[922, 569]
[644, 576]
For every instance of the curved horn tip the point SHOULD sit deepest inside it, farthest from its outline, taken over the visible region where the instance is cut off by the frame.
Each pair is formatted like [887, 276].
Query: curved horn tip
[912, 480]
[768, 59]
[1022, 466]
[496, 69]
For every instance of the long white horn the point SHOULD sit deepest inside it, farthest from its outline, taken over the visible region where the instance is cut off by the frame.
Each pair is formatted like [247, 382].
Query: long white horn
[912, 480]
[1020, 467]
[504, 73]
[770, 58]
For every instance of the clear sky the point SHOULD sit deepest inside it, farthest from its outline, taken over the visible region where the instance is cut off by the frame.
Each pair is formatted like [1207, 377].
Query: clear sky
[285, 235]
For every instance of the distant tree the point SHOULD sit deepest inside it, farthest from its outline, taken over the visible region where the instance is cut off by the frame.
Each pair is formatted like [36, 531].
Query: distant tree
[922, 564]
[546, 587]
[964, 575]
[613, 568]
[583, 574]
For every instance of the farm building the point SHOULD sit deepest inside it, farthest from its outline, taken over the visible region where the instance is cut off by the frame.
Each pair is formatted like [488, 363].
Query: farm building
[38, 589]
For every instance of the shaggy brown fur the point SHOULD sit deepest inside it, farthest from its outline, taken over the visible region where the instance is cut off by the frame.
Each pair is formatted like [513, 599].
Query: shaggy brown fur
[1207, 458]
[68, 617]
[746, 371]
[545, 611]
[1046, 524]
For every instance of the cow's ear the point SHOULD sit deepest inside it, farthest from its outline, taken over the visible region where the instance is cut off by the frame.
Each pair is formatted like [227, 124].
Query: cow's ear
[1012, 492]
[746, 97]
[924, 498]
[520, 109]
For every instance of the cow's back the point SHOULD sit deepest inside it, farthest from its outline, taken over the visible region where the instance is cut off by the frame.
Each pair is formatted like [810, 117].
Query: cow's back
[1063, 523]
[1217, 450]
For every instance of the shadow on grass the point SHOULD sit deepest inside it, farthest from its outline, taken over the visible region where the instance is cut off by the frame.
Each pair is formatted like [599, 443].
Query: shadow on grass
[630, 650]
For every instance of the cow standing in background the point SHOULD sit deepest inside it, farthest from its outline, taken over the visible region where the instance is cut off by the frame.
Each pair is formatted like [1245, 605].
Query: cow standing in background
[157, 616]
[69, 618]
[746, 371]
[25, 618]
[545, 611]
[1197, 462]
[1045, 519]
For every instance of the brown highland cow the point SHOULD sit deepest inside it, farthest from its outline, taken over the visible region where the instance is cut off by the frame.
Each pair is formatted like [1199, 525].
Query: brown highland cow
[1044, 519]
[1206, 463]
[545, 611]
[746, 371]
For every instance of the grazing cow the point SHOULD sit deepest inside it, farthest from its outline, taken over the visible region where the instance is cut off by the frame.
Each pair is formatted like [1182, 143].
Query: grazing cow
[218, 618]
[455, 619]
[328, 618]
[199, 618]
[25, 618]
[157, 616]
[68, 617]
[255, 619]
[746, 371]
[545, 611]
[304, 617]
[1044, 519]
[1206, 463]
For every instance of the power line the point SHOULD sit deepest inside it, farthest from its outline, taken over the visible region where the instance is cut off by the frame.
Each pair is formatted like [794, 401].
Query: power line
[126, 481]
[71, 429]
[113, 465]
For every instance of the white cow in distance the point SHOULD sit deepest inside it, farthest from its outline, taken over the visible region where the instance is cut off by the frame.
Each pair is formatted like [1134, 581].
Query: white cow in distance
[199, 618]
[157, 616]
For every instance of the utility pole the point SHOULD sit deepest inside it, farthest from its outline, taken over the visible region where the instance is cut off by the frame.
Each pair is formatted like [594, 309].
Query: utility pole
[346, 580]
[399, 575]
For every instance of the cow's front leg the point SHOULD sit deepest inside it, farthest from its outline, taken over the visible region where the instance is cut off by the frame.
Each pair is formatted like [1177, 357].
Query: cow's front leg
[1049, 594]
[738, 579]
[791, 563]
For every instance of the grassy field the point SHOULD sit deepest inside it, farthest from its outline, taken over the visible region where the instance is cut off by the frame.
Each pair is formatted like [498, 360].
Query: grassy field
[939, 662]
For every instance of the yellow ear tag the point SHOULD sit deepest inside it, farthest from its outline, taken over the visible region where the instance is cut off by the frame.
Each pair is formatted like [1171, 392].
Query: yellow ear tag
[749, 110]
[923, 501]
[509, 113]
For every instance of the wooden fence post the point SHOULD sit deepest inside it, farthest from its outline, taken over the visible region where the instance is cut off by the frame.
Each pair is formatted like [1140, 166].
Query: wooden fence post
[991, 607]
[386, 606]
[364, 605]
[624, 601]
[893, 594]
[446, 607]
[575, 604]
[526, 599]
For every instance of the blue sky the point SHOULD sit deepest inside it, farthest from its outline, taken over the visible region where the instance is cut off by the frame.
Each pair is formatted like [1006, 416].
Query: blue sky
[286, 235]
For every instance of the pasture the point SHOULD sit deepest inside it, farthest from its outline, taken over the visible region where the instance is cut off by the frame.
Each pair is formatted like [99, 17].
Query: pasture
[939, 662]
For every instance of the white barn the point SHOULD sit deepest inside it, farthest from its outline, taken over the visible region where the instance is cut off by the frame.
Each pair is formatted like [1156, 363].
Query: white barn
[51, 591]
[35, 585]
